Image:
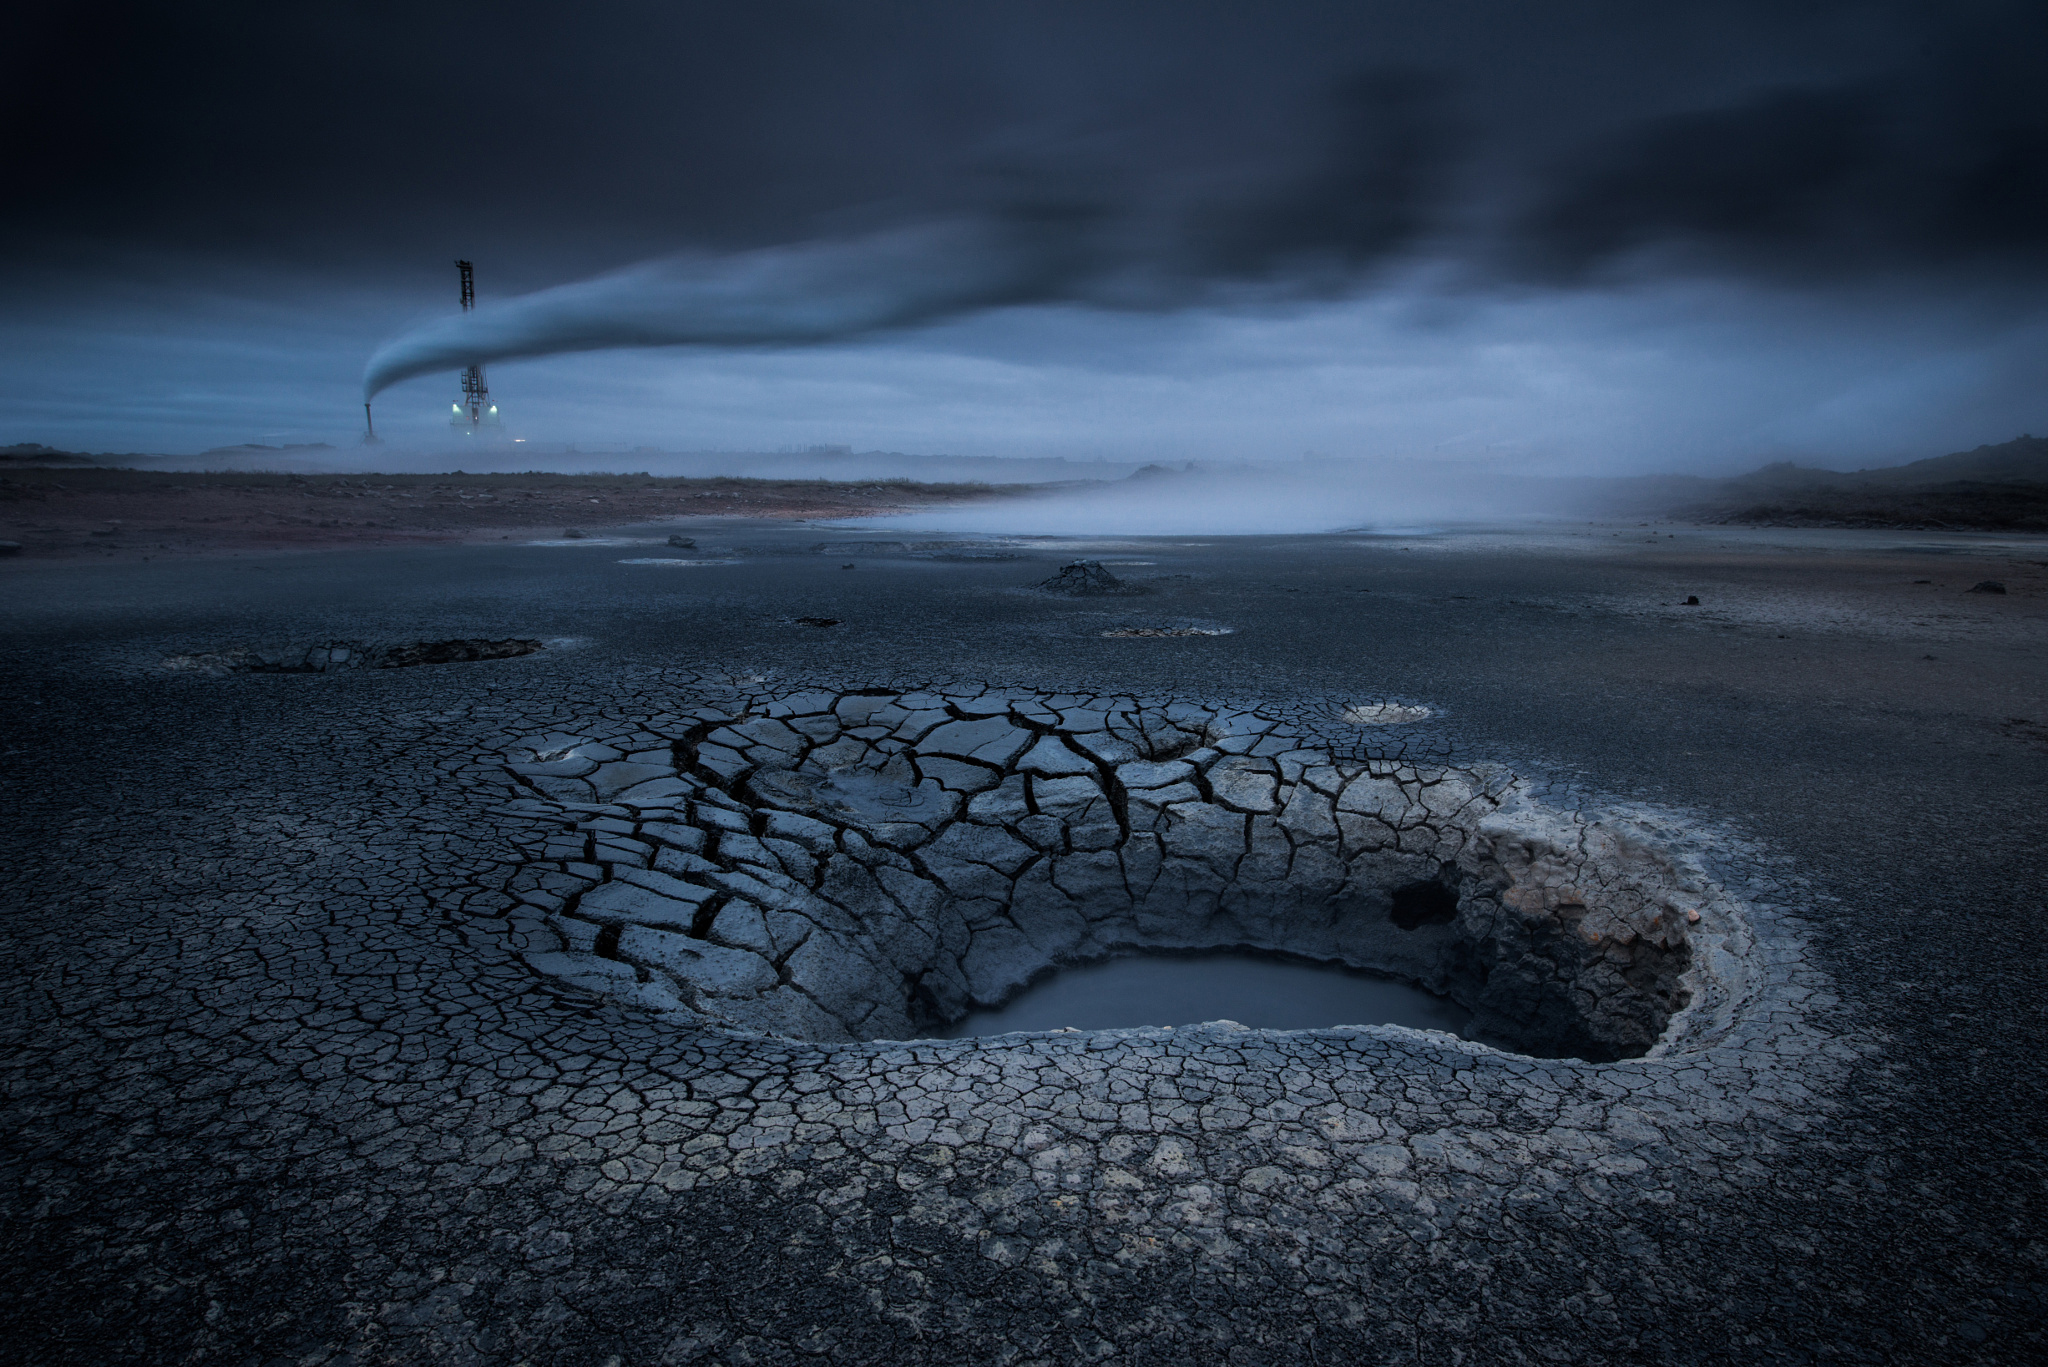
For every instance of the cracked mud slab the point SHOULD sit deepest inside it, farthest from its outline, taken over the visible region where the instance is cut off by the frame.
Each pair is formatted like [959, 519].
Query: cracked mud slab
[284, 1084]
[836, 864]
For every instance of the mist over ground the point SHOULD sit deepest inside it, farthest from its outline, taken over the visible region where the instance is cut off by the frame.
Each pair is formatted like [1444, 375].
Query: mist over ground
[1277, 499]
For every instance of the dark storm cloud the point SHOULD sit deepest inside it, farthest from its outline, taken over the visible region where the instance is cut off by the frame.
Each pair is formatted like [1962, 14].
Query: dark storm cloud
[1303, 137]
[1133, 156]
[557, 139]
[1361, 194]
[1817, 182]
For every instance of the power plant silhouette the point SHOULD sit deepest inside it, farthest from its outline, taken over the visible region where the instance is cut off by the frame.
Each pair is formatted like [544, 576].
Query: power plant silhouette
[476, 409]
[474, 414]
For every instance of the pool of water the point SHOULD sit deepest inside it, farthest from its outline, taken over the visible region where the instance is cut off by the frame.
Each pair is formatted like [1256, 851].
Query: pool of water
[1261, 991]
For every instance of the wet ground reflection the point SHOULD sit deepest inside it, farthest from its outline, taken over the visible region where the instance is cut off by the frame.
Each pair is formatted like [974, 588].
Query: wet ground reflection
[1261, 991]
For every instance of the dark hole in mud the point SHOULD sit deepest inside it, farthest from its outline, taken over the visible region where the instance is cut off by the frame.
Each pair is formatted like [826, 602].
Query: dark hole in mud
[329, 656]
[453, 652]
[1262, 991]
[1431, 902]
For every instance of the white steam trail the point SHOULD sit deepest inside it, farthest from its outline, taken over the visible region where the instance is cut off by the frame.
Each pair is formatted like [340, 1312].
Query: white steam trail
[780, 296]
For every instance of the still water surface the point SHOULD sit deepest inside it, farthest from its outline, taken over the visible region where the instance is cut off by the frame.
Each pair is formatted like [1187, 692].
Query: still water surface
[1184, 989]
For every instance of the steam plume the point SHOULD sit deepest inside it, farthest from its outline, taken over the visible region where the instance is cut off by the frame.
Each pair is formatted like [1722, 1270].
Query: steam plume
[780, 296]
[1359, 194]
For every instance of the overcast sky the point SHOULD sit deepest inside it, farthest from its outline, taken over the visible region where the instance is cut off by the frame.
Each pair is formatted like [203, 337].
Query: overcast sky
[1564, 237]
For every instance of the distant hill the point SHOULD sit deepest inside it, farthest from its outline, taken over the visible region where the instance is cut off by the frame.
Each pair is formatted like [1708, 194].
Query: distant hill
[35, 455]
[2023, 460]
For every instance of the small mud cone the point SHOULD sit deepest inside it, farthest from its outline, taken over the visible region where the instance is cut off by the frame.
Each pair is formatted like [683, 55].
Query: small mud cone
[1083, 579]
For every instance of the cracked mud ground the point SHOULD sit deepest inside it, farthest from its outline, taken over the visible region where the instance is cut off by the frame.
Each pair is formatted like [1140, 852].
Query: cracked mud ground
[285, 1085]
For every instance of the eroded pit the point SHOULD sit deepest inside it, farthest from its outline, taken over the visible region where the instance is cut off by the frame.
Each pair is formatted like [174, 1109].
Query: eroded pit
[859, 865]
[328, 656]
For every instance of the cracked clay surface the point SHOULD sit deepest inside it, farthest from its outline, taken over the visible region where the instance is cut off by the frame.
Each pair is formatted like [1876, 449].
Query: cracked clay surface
[840, 864]
[327, 1042]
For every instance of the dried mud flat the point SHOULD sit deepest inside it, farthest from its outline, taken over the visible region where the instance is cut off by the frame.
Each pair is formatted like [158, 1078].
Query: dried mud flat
[136, 515]
[546, 1007]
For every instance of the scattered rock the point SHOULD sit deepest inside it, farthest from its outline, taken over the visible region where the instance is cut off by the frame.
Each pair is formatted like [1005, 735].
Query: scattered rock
[1084, 579]
[818, 621]
[1385, 714]
[1692, 600]
[572, 534]
[681, 543]
[1986, 586]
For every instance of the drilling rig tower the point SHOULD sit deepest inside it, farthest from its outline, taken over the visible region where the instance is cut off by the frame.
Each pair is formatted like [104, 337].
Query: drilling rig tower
[476, 409]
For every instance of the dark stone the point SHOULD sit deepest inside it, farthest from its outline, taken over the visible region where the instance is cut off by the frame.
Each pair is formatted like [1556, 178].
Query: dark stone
[1084, 579]
[1986, 586]
[572, 534]
[681, 543]
[1692, 600]
[818, 621]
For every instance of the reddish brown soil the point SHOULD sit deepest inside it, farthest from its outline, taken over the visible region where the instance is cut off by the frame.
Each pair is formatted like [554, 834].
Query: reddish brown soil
[131, 514]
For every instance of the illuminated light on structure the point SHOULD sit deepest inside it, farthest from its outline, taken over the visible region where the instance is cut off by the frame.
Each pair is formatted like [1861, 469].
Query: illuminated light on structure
[476, 409]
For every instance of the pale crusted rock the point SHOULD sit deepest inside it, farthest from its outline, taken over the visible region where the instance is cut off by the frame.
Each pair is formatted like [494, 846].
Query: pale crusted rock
[698, 964]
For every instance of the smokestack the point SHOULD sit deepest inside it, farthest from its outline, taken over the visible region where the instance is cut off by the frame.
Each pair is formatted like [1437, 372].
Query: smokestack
[476, 395]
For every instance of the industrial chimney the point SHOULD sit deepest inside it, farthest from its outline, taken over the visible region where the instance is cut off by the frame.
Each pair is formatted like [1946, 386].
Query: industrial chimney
[476, 409]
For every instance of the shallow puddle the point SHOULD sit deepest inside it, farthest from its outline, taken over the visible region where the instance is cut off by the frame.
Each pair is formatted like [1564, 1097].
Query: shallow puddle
[1259, 991]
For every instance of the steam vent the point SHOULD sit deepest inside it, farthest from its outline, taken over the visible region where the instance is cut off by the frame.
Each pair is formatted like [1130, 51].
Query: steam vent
[869, 865]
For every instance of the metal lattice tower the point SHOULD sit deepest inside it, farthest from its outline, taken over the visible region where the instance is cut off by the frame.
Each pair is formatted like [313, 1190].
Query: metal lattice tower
[476, 408]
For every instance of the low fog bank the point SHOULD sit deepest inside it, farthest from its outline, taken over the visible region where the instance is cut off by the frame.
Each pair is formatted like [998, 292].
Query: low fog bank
[2001, 487]
[1274, 499]
[1992, 487]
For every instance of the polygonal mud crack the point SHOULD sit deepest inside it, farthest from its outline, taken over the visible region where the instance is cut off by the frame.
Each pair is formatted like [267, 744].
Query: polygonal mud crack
[865, 865]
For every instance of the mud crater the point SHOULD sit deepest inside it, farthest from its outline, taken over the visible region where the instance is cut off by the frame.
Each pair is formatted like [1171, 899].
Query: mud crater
[856, 865]
[329, 656]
